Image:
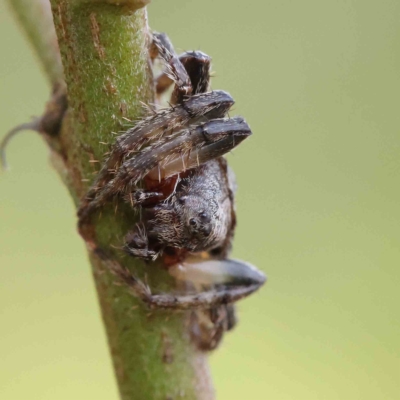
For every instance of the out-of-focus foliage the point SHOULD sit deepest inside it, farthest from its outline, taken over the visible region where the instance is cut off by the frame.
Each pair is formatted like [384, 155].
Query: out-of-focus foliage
[318, 209]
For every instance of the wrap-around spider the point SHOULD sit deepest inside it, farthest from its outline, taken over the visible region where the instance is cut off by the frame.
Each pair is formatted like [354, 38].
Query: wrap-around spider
[170, 164]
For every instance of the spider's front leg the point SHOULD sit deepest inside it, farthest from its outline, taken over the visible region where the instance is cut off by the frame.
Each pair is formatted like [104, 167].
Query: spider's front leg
[163, 122]
[231, 280]
[197, 214]
[194, 110]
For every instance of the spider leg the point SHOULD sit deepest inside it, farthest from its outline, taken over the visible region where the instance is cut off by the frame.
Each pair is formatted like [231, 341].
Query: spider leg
[219, 273]
[219, 137]
[208, 326]
[197, 65]
[194, 110]
[193, 67]
[237, 280]
[187, 149]
[231, 318]
[143, 197]
[174, 70]
[137, 243]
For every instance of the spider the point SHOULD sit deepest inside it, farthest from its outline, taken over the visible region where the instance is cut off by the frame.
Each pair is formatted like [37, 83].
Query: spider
[171, 165]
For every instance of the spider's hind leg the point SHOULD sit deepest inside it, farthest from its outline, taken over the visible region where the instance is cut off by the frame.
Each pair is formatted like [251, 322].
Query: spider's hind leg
[198, 67]
[208, 326]
[174, 70]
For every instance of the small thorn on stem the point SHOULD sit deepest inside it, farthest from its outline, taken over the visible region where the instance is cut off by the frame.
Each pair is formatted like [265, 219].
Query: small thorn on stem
[33, 126]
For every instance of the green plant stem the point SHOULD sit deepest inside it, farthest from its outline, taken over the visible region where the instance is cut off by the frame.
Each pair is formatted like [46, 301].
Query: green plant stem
[104, 55]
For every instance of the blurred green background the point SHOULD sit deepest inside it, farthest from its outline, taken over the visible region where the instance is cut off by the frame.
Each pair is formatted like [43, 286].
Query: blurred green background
[318, 208]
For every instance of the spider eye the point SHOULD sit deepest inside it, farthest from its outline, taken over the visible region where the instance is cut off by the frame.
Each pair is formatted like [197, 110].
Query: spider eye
[206, 230]
[192, 222]
[204, 217]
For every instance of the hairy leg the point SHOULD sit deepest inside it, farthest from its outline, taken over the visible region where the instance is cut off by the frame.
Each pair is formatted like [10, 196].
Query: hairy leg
[237, 280]
[197, 65]
[194, 110]
[190, 70]
[174, 70]
[208, 326]
[186, 149]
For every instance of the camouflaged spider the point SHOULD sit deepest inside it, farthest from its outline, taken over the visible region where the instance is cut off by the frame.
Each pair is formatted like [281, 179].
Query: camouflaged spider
[170, 164]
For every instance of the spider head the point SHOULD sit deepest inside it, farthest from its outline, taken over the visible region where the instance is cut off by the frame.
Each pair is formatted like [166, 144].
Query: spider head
[200, 221]
[195, 222]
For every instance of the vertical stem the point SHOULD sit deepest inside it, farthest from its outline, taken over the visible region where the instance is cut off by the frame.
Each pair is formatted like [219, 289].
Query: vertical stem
[104, 54]
[103, 47]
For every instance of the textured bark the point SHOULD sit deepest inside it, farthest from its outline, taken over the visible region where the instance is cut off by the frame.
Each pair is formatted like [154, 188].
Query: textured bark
[103, 47]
